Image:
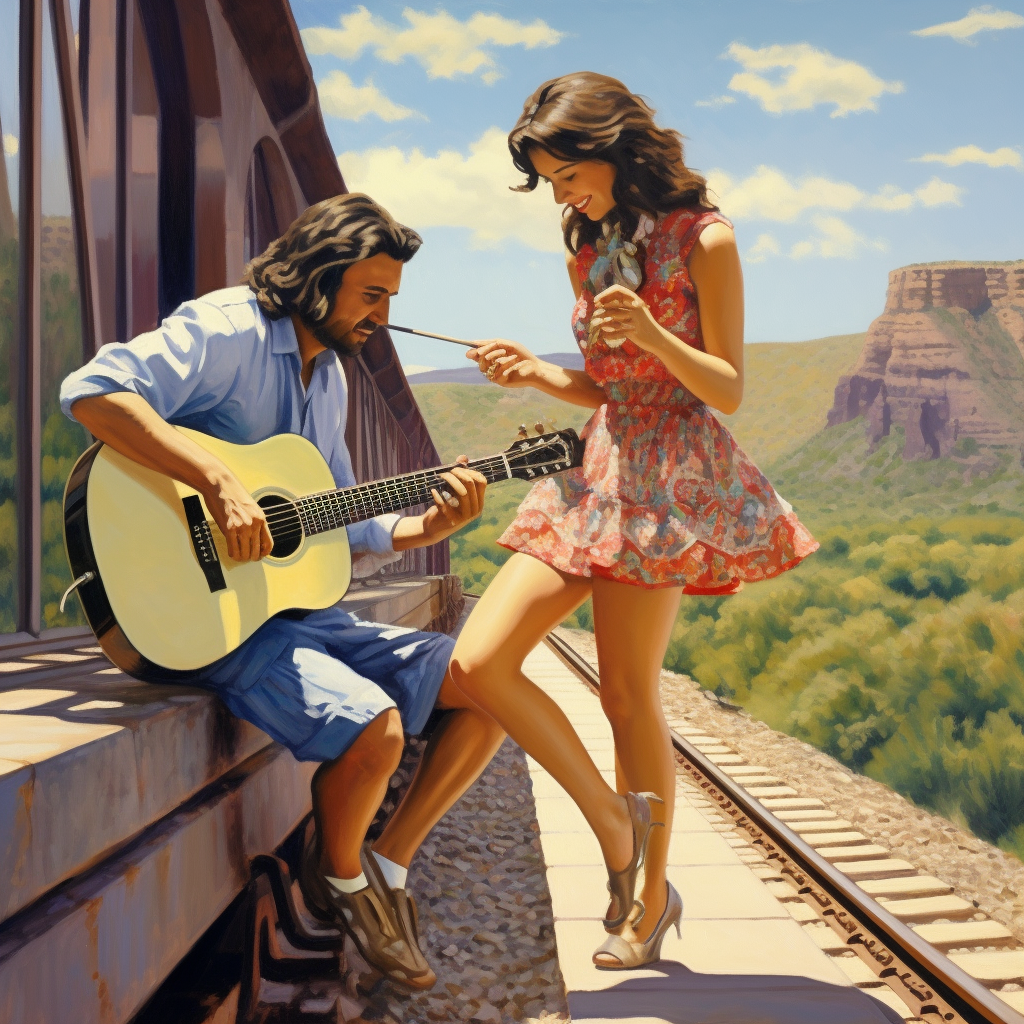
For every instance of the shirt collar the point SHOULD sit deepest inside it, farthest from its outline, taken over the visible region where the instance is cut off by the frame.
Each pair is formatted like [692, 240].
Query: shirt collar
[282, 337]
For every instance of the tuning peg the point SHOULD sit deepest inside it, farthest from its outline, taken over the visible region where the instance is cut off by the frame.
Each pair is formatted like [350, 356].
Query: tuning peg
[523, 432]
[539, 427]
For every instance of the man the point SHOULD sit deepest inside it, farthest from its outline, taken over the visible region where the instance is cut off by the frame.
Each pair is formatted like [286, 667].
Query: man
[260, 359]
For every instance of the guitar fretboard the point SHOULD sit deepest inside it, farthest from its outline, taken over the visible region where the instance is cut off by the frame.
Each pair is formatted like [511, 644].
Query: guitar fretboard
[329, 510]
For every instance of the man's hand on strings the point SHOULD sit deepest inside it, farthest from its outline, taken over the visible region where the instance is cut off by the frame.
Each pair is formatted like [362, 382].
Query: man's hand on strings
[464, 501]
[241, 520]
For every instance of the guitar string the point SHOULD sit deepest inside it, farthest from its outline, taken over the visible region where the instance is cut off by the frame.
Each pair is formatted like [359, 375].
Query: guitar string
[322, 509]
[364, 497]
[327, 511]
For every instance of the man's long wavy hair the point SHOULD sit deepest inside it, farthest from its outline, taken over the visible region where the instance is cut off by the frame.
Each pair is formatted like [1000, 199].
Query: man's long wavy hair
[586, 116]
[301, 271]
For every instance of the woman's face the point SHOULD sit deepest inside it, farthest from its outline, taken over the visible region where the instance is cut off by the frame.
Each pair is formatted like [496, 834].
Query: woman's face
[583, 184]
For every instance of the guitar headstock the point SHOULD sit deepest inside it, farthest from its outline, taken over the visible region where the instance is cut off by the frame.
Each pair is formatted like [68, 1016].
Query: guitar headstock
[535, 457]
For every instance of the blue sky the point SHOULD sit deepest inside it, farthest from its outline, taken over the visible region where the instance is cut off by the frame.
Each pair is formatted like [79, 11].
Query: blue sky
[810, 118]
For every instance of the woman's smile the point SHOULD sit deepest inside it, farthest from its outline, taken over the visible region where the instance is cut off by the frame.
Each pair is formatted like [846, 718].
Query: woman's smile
[585, 185]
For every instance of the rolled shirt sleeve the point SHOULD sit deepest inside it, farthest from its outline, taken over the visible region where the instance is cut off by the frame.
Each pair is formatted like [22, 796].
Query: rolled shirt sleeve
[371, 544]
[170, 367]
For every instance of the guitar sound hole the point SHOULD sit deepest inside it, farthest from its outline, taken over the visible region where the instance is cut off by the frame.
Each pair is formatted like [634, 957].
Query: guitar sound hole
[285, 527]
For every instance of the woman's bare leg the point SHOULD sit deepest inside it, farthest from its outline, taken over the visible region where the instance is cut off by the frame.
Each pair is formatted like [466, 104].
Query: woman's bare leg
[632, 627]
[524, 602]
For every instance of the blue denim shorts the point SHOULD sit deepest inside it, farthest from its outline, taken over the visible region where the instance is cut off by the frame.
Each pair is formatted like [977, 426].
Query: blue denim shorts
[314, 680]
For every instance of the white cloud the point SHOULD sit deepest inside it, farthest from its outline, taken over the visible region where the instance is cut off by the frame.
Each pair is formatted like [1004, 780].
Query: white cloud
[716, 102]
[340, 96]
[443, 45]
[977, 19]
[411, 368]
[836, 240]
[939, 193]
[10, 144]
[463, 190]
[765, 246]
[768, 194]
[808, 77]
[1003, 157]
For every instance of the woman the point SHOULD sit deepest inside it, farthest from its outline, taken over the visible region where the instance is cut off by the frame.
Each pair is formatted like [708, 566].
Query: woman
[665, 503]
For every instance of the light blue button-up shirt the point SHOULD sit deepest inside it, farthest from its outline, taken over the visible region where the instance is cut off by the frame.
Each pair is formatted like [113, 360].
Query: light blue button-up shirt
[220, 366]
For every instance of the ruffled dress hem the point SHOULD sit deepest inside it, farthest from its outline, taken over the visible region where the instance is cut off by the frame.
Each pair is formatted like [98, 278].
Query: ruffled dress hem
[739, 567]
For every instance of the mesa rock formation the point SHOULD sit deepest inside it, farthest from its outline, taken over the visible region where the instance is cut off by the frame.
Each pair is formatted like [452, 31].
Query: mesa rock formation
[944, 361]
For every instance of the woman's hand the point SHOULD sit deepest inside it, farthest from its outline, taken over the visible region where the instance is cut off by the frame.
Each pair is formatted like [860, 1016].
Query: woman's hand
[508, 363]
[621, 315]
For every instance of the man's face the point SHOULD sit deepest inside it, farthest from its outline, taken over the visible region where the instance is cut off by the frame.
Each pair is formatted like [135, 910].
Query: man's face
[361, 305]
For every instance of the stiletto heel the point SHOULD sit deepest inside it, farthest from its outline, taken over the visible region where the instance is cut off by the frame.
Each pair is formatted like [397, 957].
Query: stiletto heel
[622, 884]
[631, 955]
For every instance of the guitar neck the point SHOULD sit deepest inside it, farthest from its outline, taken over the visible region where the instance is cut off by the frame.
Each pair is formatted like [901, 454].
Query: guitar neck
[330, 510]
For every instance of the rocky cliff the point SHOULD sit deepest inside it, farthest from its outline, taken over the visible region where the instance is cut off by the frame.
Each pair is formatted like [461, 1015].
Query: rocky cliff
[945, 360]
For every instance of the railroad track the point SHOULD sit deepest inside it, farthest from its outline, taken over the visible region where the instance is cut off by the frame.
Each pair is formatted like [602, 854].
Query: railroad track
[854, 896]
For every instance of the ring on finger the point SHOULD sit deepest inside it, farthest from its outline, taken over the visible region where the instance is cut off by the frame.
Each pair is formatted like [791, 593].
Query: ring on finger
[491, 371]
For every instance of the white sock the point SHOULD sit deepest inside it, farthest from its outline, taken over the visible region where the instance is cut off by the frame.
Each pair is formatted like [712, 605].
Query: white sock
[349, 885]
[394, 874]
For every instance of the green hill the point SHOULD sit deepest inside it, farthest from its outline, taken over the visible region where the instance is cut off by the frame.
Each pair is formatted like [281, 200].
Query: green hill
[481, 419]
[787, 393]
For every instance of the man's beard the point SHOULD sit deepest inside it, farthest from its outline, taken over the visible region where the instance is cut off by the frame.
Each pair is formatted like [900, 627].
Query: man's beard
[348, 344]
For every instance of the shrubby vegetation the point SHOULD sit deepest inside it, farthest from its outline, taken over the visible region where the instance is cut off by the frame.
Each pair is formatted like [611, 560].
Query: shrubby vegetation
[896, 650]
[62, 440]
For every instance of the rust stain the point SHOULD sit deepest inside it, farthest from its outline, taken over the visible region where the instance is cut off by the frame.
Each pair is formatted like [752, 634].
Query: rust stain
[130, 874]
[163, 868]
[23, 826]
[92, 913]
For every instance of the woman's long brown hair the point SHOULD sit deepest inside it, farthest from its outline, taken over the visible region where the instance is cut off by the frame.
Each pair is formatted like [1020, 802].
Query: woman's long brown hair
[586, 116]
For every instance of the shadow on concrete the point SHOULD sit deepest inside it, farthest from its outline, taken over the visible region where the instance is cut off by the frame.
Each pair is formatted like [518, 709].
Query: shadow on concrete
[682, 996]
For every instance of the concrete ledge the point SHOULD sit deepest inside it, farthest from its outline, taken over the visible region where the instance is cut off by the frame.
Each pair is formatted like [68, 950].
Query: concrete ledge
[96, 948]
[92, 761]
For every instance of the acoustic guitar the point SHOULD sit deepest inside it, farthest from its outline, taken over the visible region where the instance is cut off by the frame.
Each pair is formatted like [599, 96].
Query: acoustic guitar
[151, 566]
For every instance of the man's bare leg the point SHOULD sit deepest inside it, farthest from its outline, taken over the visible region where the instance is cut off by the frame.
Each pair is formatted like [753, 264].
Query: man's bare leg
[460, 748]
[348, 791]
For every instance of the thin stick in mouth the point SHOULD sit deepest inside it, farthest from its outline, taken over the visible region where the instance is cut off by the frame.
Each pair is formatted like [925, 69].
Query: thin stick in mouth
[427, 334]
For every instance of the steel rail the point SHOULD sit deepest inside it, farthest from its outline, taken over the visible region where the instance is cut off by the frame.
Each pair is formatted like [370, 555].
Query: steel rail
[930, 983]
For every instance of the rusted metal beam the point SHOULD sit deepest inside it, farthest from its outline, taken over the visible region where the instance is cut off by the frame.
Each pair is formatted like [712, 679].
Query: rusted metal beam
[78, 173]
[27, 353]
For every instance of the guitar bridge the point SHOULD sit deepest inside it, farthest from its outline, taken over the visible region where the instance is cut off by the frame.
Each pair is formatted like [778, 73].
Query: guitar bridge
[202, 543]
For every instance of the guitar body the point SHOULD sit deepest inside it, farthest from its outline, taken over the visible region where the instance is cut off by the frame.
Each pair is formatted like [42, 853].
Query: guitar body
[150, 604]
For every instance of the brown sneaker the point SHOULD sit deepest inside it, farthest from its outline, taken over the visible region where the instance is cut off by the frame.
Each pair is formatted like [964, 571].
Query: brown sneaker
[369, 919]
[403, 907]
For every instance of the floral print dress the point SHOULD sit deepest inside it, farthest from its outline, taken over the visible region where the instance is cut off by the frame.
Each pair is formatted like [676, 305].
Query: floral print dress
[664, 497]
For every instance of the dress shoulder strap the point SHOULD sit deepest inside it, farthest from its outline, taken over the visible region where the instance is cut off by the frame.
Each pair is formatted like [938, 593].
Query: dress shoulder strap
[684, 227]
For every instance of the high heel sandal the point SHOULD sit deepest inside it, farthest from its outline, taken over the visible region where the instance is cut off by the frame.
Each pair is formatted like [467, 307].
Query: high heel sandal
[631, 955]
[622, 884]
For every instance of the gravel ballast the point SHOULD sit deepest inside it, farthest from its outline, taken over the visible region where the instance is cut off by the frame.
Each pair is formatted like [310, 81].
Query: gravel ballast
[485, 913]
